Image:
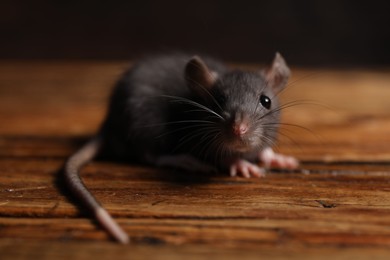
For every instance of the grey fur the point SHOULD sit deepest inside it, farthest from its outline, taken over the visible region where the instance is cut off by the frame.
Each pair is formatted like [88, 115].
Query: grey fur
[159, 109]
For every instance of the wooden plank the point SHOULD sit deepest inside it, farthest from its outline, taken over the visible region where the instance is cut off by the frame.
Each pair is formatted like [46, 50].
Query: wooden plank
[336, 204]
[29, 249]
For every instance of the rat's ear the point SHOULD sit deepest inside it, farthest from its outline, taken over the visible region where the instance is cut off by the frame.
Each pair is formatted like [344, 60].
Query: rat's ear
[278, 74]
[198, 76]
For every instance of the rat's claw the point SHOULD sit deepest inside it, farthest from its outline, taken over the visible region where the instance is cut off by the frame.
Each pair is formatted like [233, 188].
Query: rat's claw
[233, 170]
[246, 169]
[256, 171]
[272, 159]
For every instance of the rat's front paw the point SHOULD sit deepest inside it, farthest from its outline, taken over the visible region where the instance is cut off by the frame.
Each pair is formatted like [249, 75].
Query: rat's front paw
[246, 169]
[272, 159]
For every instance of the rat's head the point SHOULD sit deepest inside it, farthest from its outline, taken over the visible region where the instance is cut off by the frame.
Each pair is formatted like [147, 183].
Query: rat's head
[245, 108]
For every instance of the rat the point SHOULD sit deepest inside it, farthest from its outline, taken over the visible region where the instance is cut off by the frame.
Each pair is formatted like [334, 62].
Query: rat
[191, 113]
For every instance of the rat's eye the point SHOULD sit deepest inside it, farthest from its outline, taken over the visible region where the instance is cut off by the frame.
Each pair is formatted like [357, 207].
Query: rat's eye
[265, 101]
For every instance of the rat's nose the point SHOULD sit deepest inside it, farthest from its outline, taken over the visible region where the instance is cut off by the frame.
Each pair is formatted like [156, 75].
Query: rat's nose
[240, 128]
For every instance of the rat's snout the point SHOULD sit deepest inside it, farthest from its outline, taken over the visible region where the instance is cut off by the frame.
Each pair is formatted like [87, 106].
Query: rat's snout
[240, 128]
[240, 133]
[240, 124]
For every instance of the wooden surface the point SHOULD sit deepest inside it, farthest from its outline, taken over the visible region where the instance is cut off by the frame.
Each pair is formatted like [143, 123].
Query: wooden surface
[336, 205]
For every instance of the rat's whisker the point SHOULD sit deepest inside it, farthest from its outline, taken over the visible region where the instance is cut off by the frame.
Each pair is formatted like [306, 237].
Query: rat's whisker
[204, 122]
[204, 138]
[285, 106]
[192, 135]
[293, 83]
[281, 124]
[181, 129]
[207, 92]
[191, 102]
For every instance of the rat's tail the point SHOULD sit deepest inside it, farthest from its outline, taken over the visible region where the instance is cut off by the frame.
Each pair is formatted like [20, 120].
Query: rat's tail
[77, 187]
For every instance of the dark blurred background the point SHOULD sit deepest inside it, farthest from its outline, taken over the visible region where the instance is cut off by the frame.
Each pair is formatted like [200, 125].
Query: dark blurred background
[309, 33]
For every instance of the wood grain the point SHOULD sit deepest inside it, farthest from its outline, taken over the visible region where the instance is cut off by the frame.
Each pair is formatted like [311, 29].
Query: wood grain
[336, 205]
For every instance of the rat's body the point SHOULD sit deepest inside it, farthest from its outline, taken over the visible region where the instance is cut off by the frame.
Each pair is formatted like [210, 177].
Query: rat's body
[189, 113]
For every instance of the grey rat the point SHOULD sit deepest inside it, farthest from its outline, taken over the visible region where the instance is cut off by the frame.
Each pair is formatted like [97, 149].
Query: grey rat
[191, 113]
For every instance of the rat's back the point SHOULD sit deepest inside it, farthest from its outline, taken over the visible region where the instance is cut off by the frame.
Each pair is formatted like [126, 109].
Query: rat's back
[139, 112]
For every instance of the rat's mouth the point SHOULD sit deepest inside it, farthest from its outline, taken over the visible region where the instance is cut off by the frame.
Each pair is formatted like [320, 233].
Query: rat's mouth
[239, 145]
[243, 144]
